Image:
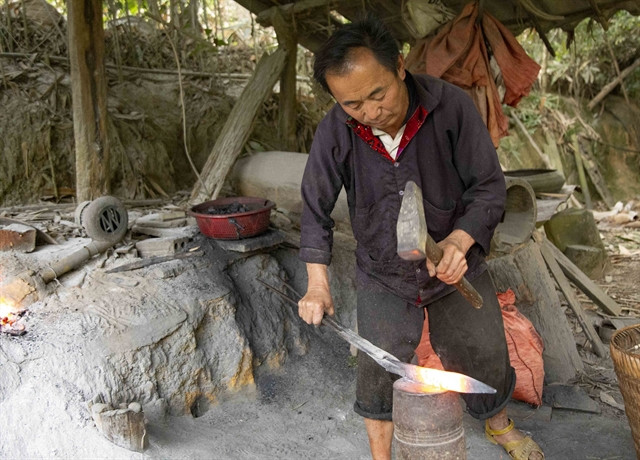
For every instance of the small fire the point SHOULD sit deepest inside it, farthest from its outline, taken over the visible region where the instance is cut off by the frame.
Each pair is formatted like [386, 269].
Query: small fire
[9, 313]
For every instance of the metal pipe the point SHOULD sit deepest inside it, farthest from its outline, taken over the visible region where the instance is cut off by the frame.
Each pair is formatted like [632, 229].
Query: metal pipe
[73, 260]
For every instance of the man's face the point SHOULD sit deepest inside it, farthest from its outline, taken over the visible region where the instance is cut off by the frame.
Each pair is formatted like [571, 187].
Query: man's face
[370, 93]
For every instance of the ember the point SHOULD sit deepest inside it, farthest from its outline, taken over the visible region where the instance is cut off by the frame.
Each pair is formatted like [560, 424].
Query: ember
[9, 314]
[224, 209]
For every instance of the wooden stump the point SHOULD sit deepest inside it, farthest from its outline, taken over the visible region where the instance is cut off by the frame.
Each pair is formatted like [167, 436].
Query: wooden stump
[525, 272]
[125, 426]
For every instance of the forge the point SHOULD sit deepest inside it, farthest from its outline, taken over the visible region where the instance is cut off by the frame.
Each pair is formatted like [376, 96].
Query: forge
[169, 340]
[427, 422]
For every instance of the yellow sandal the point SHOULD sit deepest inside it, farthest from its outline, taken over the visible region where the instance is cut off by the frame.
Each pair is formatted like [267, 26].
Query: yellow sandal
[518, 450]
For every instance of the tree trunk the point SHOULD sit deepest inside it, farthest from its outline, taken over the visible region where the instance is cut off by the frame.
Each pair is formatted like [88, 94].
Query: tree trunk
[238, 126]
[89, 93]
[525, 272]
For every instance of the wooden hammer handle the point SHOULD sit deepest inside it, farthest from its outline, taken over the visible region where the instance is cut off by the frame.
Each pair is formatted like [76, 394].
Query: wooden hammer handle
[434, 253]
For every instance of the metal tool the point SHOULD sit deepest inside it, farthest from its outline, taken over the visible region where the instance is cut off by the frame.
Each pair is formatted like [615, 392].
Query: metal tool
[415, 243]
[430, 378]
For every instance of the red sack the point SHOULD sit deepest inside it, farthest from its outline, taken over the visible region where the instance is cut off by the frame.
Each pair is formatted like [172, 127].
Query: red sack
[525, 350]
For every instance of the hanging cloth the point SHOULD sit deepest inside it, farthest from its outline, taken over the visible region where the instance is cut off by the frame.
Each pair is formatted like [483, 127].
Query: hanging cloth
[458, 53]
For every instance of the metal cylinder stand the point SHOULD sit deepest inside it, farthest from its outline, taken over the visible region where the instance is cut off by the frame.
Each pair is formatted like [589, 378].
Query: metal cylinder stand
[427, 425]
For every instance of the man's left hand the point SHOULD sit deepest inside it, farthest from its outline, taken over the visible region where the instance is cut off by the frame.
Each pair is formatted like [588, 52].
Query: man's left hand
[453, 264]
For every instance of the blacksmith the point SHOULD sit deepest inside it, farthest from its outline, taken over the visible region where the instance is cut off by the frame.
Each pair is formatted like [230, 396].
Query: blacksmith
[389, 127]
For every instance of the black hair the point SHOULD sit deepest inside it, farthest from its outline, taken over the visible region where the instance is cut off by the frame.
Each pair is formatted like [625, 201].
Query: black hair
[334, 56]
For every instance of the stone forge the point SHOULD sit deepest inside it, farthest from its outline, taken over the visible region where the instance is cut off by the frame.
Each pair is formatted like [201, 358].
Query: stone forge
[174, 338]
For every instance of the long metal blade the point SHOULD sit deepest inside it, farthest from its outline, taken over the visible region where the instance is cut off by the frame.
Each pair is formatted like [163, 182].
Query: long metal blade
[429, 378]
[445, 380]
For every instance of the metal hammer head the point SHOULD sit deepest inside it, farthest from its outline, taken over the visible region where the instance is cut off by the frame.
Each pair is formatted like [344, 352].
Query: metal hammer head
[412, 226]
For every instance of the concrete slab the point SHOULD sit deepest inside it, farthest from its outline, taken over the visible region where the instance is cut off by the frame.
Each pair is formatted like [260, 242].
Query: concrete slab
[268, 239]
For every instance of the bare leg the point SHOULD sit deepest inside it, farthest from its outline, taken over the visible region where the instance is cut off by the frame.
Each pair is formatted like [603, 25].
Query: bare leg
[500, 421]
[380, 434]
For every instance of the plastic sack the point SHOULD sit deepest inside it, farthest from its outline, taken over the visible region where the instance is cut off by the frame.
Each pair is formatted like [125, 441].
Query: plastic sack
[525, 350]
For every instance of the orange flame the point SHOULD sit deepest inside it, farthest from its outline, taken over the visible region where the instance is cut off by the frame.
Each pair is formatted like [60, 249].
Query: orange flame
[8, 312]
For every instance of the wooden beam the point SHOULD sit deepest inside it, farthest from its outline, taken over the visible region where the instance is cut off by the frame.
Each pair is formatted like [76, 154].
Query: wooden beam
[287, 102]
[581, 175]
[533, 15]
[574, 303]
[89, 95]
[265, 17]
[577, 276]
[238, 127]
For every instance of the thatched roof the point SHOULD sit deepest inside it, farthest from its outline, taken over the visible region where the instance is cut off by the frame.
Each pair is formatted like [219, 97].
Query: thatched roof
[314, 19]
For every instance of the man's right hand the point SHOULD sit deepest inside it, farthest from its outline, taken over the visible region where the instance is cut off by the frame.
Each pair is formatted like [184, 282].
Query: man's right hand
[317, 301]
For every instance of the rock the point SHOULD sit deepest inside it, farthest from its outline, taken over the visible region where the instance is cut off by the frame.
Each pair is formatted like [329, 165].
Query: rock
[591, 260]
[575, 233]
[272, 325]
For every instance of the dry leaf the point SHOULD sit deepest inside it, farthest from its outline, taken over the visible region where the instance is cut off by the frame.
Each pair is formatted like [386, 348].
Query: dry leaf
[623, 250]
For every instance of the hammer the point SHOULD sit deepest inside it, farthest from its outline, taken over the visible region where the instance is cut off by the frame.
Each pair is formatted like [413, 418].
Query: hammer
[414, 243]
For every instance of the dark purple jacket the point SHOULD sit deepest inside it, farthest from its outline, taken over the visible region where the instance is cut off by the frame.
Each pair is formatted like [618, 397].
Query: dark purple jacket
[446, 150]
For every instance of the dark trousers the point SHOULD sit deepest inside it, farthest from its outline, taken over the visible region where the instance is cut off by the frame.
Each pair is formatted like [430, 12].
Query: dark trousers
[467, 340]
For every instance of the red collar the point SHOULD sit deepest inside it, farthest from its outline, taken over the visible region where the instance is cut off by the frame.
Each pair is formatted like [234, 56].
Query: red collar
[365, 132]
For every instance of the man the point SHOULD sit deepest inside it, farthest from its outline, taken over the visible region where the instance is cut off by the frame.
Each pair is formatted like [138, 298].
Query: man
[389, 127]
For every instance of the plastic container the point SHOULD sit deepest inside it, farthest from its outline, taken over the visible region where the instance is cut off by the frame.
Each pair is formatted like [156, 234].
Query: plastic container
[234, 225]
[625, 354]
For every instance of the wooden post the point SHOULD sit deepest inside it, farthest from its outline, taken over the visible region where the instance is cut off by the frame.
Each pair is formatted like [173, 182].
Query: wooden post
[525, 272]
[287, 115]
[581, 175]
[238, 126]
[89, 95]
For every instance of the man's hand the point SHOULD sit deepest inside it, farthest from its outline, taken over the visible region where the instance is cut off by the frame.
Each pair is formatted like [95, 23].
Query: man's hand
[317, 301]
[453, 264]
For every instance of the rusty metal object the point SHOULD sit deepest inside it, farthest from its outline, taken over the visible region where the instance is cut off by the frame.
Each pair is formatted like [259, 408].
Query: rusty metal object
[427, 425]
[415, 243]
[17, 237]
[427, 378]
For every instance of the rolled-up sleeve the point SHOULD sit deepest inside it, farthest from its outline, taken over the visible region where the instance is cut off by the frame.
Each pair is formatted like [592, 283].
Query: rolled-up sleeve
[321, 184]
[477, 163]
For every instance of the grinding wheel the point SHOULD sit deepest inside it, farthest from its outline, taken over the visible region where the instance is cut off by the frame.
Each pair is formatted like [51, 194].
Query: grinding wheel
[104, 219]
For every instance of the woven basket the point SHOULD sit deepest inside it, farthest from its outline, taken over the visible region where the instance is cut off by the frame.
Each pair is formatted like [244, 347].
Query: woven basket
[625, 354]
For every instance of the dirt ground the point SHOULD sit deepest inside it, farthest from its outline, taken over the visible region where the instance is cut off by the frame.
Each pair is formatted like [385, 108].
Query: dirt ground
[303, 409]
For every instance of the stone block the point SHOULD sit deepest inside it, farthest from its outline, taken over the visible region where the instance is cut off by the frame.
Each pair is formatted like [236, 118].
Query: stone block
[575, 233]
[268, 239]
[591, 260]
[161, 246]
[573, 226]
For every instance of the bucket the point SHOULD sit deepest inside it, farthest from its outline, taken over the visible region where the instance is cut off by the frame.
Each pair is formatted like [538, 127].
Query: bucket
[253, 220]
[427, 426]
[625, 354]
